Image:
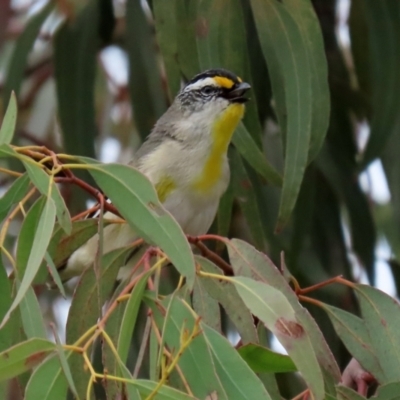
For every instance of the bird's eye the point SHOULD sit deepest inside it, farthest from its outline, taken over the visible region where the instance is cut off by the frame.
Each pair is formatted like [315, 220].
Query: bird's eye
[207, 90]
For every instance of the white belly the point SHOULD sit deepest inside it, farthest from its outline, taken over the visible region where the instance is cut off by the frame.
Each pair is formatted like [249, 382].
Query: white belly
[193, 213]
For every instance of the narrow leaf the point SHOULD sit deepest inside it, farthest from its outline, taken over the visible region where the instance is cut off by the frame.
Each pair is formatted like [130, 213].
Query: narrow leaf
[196, 361]
[226, 294]
[65, 366]
[14, 195]
[86, 306]
[129, 318]
[247, 261]
[145, 86]
[249, 150]
[383, 30]
[188, 59]
[239, 381]
[206, 307]
[56, 386]
[133, 195]
[24, 356]
[304, 14]
[353, 332]
[166, 28]
[42, 181]
[40, 242]
[380, 313]
[9, 121]
[23, 46]
[77, 39]
[8, 336]
[275, 311]
[31, 315]
[246, 198]
[279, 34]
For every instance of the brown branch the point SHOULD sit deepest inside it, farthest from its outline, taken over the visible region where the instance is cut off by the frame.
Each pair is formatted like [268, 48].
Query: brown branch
[90, 189]
[211, 255]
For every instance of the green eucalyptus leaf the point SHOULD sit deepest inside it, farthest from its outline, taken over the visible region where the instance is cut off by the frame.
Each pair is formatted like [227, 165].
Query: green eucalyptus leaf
[9, 121]
[23, 357]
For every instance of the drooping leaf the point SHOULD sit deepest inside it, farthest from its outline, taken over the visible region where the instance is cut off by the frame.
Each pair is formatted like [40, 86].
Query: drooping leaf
[247, 261]
[41, 239]
[187, 50]
[23, 357]
[353, 332]
[86, 305]
[196, 361]
[206, 306]
[167, 36]
[225, 366]
[8, 336]
[226, 294]
[65, 245]
[359, 41]
[275, 311]
[361, 224]
[225, 207]
[206, 32]
[31, 316]
[65, 366]
[42, 182]
[248, 149]
[56, 384]
[283, 44]
[129, 319]
[77, 39]
[25, 238]
[246, 198]
[129, 190]
[14, 194]
[9, 121]
[380, 313]
[224, 357]
[304, 14]
[24, 44]
[383, 22]
[148, 100]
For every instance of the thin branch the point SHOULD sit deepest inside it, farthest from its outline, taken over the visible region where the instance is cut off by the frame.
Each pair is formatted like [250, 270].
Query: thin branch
[211, 255]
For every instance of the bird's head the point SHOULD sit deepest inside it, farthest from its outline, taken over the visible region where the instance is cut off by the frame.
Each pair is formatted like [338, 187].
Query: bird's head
[212, 92]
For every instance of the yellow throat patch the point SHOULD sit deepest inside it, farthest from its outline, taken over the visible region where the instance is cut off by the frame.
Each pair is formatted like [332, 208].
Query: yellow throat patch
[222, 132]
[164, 187]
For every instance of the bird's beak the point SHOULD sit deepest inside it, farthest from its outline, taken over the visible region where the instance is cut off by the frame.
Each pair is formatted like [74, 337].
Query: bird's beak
[236, 94]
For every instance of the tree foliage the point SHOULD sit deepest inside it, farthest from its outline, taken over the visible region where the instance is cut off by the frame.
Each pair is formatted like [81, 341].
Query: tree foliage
[199, 324]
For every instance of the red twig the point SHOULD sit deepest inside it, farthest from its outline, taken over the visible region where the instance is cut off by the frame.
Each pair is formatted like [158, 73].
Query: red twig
[211, 255]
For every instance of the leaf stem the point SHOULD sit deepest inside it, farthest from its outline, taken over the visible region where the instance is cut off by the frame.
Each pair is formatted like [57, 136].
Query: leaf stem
[185, 342]
[214, 276]
[10, 172]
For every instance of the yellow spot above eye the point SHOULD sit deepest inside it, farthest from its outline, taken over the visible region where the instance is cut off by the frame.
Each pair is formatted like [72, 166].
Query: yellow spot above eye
[164, 188]
[223, 82]
[222, 132]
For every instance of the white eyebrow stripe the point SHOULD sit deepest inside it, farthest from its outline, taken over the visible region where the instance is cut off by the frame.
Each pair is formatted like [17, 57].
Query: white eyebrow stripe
[201, 83]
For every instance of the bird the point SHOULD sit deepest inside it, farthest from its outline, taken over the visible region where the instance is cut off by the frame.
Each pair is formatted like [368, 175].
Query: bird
[185, 158]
